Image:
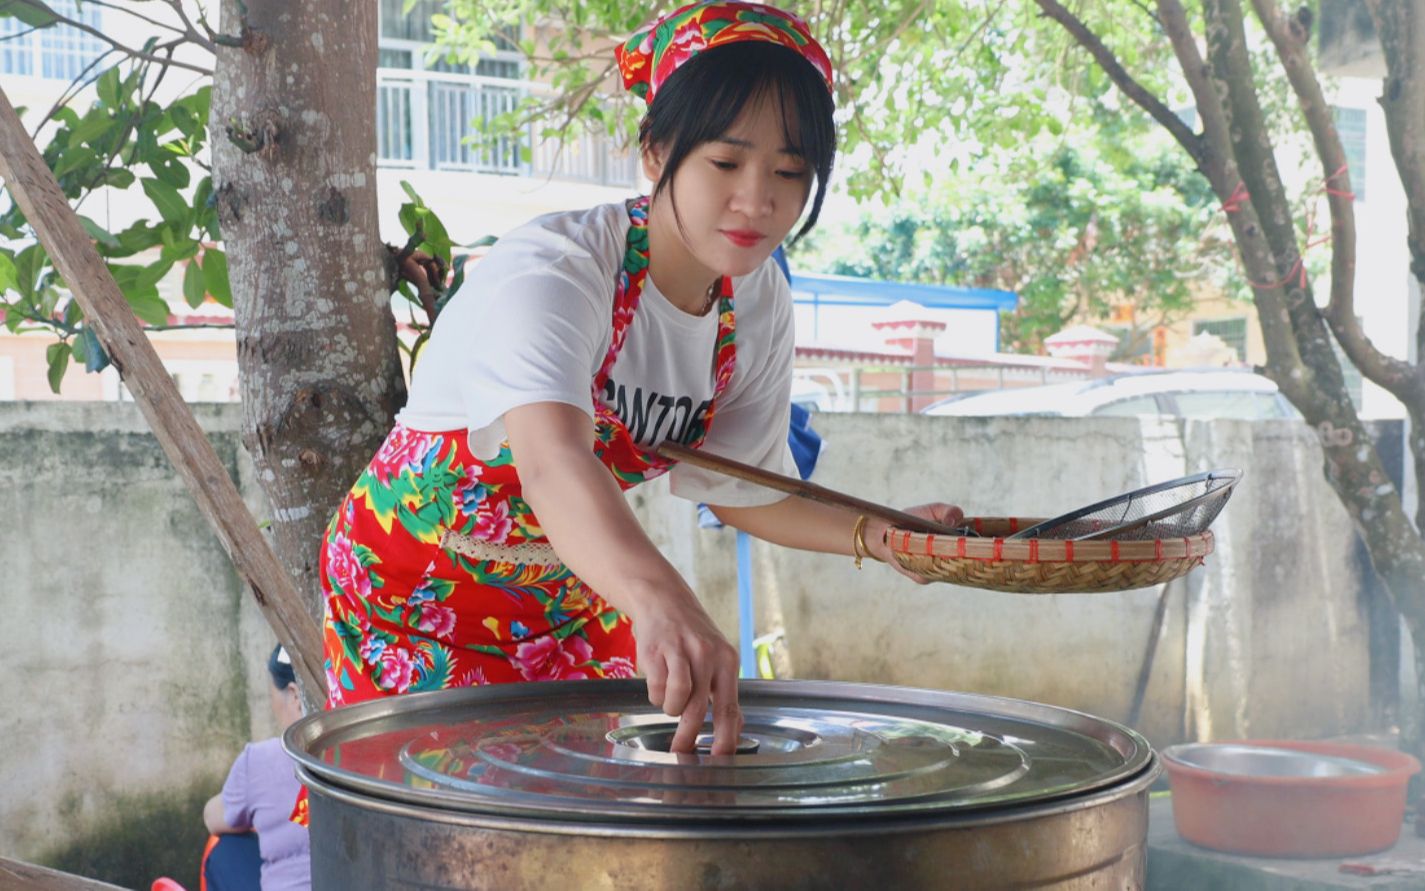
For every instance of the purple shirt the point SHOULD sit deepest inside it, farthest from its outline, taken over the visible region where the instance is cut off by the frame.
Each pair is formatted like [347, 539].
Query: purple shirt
[259, 794]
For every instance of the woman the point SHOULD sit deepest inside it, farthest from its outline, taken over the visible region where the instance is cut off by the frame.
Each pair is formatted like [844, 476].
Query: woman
[489, 541]
[257, 800]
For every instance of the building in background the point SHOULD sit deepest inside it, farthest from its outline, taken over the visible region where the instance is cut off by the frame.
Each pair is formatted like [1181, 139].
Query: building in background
[426, 108]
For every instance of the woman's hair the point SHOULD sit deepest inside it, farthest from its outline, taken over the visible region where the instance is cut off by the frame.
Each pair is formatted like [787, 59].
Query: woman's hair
[702, 99]
[279, 665]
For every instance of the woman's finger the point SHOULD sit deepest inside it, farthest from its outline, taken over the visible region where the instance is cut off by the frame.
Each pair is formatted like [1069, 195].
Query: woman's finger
[949, 514]
[655, 671]
[690, 724]
[679, 686]
[727, 713]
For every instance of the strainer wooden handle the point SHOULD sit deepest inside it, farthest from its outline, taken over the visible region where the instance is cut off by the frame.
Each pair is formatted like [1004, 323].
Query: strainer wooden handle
[811, 491]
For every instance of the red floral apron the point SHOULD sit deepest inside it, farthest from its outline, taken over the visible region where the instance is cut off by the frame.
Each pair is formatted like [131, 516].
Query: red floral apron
[407, 612]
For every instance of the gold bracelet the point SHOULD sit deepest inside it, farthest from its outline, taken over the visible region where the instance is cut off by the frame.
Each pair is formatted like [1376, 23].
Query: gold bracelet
[857, 542]
[861, 535]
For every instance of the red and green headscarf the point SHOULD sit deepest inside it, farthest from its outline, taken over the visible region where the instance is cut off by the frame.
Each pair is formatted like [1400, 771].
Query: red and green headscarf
[651, 55]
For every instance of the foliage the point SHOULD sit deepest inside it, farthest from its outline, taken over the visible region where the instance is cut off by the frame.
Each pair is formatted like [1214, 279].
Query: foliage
[442, 268]
[958, 116]
[912, 76]
[1107, 220]
[124, 139]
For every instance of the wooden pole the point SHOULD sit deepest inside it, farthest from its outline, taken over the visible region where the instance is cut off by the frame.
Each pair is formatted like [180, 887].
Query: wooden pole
[18, 876]
[802, 488]
[73, 254]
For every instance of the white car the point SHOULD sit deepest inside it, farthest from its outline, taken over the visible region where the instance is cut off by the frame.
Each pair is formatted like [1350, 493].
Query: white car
[1192, 393]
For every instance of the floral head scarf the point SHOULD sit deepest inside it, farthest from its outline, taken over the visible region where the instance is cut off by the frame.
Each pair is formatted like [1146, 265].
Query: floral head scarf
[651, 55]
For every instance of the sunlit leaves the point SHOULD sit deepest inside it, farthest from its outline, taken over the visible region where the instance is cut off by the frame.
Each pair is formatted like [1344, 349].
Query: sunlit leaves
[1073, 228]
[121, 131]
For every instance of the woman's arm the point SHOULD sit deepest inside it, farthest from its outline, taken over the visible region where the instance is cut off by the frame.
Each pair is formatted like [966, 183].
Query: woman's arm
[581, 509]
[812, 526]
[213, 817]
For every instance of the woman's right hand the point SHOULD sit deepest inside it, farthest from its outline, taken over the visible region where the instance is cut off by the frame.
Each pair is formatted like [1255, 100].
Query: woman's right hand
[687, 661]
[689, 664]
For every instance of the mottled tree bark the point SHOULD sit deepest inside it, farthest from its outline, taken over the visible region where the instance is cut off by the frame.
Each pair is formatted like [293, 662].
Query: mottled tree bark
[294, 175]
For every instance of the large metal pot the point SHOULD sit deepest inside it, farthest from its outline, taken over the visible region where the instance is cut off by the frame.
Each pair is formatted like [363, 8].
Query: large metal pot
[570, 785]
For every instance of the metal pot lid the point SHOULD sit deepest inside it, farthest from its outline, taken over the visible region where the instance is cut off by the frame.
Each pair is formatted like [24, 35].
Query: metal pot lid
[809, 749]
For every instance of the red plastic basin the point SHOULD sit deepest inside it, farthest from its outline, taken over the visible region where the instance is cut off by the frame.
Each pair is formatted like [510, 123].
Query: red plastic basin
[1294, 816]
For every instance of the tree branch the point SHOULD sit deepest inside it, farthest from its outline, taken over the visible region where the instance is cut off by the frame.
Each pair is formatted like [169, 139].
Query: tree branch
[126, 50]
[1124, 81]
[140, 16]
[74, 89]
[979, 29]
[1292, 40]
[1283, 357]
[192, 33]
[1262, 187]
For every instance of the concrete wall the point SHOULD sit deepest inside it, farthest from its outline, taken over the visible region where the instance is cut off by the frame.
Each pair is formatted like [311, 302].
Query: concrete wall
[133, 662]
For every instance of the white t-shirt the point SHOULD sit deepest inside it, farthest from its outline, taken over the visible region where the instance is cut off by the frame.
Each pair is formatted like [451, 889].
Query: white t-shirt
[533, 322]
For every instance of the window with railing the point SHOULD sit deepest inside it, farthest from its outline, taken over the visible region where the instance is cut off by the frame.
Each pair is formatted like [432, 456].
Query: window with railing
[61, 52]
[430, 110]
[1232, 332]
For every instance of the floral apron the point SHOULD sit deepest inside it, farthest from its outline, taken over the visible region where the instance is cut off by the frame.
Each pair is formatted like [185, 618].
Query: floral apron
[408, 608]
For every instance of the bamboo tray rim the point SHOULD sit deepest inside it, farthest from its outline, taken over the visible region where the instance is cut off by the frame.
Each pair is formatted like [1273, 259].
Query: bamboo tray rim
[1046, 550]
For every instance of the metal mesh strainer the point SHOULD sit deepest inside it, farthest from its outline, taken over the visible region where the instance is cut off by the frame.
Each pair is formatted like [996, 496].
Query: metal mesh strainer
[1175, 509]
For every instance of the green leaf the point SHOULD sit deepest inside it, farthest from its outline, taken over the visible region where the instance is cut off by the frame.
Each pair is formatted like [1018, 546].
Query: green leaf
[177, 249]
[215, 276]
[436, 238]
[147, 305]
[73, 159]
[201, 103]
[167, 199]
[154, 272]
[119, 178]
[94, 357]
[184, 119]
[57, 356]
[138, 237]
[193, 289]
[79, 349]
[410, 190]
[409, 215]
[108, 86]
[7, 273]
[96, 122]
[28, 265]
[172, 171]
[33, 13]
[99, 233]
[203, 196]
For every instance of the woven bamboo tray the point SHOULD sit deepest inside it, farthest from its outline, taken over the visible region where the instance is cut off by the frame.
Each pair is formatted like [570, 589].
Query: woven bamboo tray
[1044, 566]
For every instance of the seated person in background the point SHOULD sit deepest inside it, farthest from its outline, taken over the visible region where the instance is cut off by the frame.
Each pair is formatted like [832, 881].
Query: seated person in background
[257, 798]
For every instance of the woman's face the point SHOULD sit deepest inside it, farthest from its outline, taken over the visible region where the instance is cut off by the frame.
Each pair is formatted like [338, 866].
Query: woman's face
[738, 196]
[286, 704]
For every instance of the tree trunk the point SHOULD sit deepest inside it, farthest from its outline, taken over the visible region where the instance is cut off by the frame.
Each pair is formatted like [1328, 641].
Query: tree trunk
[294, 153]
[1307, 369]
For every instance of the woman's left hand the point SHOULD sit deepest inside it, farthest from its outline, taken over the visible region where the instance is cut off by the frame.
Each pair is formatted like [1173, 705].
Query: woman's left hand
[875, 534]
